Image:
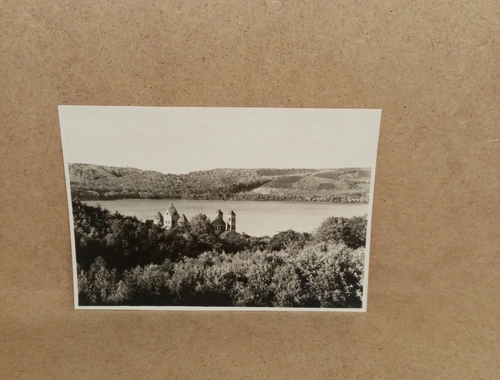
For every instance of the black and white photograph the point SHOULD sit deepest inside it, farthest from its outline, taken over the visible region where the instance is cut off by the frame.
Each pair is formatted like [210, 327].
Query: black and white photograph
[191, 208]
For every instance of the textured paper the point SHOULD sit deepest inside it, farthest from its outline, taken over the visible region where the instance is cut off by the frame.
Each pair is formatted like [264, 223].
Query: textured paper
[434, 264]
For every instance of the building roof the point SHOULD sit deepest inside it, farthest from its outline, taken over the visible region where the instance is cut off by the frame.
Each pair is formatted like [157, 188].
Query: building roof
[219, 222]
[228, 233]
[232, 212]
[171, 209]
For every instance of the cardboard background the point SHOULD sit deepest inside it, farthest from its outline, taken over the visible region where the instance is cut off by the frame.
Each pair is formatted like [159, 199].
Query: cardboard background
[432, 67]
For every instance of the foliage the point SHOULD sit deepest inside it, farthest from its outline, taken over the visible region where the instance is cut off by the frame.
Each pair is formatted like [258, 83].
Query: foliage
[123, 242]
[350, 231]
[100, 286]
[319, 276]
[201, 225]
[123, 261]
[148, 285]
[288, 239]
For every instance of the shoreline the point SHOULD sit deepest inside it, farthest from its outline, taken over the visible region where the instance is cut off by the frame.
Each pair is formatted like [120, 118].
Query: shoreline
[219, 200]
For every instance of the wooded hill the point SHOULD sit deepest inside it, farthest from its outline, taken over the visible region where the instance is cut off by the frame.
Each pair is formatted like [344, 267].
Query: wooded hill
[345, 185]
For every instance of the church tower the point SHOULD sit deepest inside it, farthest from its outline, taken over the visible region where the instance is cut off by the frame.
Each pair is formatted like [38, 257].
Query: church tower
[218, 222]
[171, 217]
[231, 221]
[219, 215]
[183, 221]
[159, 219]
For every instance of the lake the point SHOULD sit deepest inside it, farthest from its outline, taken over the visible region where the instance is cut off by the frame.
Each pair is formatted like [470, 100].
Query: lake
[253, 218]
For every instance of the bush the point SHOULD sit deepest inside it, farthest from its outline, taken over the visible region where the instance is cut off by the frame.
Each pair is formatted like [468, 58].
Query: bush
[100, 286]
[123, 242]
[334, 278]
[288, 239]
[351, 232]
[148, 285]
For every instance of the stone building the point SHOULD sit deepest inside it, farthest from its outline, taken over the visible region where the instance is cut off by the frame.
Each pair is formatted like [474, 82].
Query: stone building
[231, 222]
[171, 218]
[220, 225]
[218, 222]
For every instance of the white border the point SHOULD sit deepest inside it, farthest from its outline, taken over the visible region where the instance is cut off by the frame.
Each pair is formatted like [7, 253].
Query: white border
[70, 210]
[364, 300]
[220, 308]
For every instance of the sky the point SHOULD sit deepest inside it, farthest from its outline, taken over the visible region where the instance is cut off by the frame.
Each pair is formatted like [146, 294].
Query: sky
[181, 140]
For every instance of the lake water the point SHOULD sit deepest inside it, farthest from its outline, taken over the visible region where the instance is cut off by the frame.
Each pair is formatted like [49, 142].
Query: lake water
[253, 218]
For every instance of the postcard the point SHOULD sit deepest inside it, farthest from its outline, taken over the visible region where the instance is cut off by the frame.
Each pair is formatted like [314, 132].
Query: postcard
[190, 208]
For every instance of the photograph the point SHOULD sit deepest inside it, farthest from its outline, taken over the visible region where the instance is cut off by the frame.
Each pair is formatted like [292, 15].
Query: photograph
[212, 208]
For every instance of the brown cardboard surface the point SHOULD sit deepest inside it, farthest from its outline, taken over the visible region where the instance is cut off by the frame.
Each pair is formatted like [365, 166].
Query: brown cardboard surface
[432, 67]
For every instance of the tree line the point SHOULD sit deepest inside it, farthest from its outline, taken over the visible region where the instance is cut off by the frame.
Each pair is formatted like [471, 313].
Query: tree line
[94, 195]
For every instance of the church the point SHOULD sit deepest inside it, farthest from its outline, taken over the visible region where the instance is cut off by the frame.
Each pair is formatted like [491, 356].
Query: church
[220, 226]
[171, 218]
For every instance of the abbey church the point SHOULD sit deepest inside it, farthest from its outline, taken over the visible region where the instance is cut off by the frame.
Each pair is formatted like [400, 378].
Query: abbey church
[221, 226]
[171, 218]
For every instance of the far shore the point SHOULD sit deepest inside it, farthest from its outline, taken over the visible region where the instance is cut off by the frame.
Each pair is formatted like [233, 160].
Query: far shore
[217, 200]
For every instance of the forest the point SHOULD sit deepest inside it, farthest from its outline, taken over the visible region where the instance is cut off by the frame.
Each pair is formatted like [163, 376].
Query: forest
[346, 185]
[124, 261]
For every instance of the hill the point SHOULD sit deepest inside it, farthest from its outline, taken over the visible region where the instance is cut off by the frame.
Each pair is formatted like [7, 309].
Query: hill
[346, 185]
